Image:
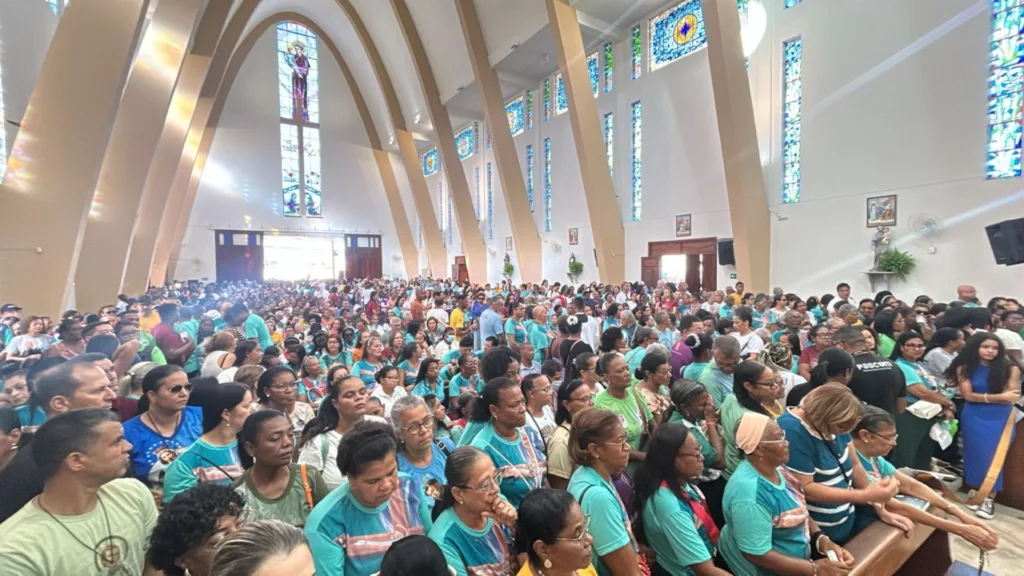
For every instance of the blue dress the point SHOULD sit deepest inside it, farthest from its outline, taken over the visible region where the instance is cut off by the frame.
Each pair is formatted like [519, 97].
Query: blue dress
[982, 425]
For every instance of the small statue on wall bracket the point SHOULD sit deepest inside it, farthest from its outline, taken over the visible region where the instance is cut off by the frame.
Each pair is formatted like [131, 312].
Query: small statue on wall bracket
[880, 243]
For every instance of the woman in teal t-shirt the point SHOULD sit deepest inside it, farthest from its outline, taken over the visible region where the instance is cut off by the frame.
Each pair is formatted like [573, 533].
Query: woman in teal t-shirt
[409, 365]
[427, 381]
[467, 380]
[675, 518]
[916, 446]
[372, 361]
[515, 331]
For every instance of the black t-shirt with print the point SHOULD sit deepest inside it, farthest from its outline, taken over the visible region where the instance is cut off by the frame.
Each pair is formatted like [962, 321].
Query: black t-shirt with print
[878, 381]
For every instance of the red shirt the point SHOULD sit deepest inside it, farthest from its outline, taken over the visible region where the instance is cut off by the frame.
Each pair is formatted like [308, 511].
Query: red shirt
[168, 340]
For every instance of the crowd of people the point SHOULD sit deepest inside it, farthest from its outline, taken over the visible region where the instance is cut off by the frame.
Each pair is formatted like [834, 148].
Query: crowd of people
[427, 427]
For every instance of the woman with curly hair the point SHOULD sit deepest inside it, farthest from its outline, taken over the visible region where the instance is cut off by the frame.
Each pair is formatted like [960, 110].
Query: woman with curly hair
[191, 527]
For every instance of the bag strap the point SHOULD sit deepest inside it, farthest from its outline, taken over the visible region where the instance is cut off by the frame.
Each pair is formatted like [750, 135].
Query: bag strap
[305, 485]
[323, 448]
[998, 459]
[640, 408]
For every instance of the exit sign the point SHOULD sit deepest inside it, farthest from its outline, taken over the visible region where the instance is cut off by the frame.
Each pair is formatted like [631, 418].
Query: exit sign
[732, 276]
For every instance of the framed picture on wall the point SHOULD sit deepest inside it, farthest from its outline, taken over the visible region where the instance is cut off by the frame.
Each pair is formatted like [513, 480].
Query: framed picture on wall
[574, 236]
[684, 225]
[508, 243]
[882, 211]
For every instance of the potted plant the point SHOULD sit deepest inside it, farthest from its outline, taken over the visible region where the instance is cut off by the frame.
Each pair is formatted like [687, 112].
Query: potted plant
[575, 269]
[901, 264]
[508, 270]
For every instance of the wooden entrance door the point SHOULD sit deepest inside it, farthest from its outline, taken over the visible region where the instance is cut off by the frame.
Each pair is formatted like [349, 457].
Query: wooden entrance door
[650, 270]
[459, 271]
[239, 256]
[701, 261]
[362, 256]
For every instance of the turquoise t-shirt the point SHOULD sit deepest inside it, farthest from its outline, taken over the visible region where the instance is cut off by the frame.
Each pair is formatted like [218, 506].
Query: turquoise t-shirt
[609, 523]
[347, 538]
[326, 360]
[706, 449]
[830, 462]
[191, 327]
[451, 356]
[432, 471]
[694, 370]
[30, 417]
[913, 376]
[679, 538]
[425, 387]
[538, 336]
[469, 551]
[512, 326]
[410, 373]
[367, 372]
[522, 462]
[475, 383]
[876, 468]
[634, 357]
[256, 327]
[717, 383]
[760, 319]
[202, 463]
[761, 517]
[725, 312]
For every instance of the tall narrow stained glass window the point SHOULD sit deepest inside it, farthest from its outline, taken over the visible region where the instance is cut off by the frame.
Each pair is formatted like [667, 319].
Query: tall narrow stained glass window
[547, 99]
[465, 141]
[490, 203]
[516, 113]
[609, 141]
[529, 174]
[609, 66]
[441, 212]
[638, 52]
[792, 104]
[298, 96]
[675, 33]
[529, 109]
[636, 147]
[1005, 85]
[476, 181]
[431, 162]
[594, 71]
[561, 102]
[547, 184]
[791, 3]
[448, 200]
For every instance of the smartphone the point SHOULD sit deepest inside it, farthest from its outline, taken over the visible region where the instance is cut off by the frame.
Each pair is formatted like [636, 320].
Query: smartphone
[832, 556]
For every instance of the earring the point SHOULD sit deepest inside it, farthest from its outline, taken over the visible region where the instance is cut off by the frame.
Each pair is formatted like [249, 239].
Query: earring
[547, 563]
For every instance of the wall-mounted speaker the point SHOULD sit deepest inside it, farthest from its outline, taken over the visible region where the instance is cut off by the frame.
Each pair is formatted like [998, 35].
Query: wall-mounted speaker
[725, 253]
[1007, 241]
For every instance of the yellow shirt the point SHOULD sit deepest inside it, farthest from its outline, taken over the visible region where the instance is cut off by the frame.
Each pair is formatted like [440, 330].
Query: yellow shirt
[147, 323]
[527, 571]
[457, 320]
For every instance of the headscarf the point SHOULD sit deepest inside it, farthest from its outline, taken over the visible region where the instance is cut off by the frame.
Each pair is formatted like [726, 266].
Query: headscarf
[750, 431]
[778, 357]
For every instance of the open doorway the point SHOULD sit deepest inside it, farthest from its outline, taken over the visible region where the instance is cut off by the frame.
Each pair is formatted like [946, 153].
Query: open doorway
[673, 268]
[691, 261]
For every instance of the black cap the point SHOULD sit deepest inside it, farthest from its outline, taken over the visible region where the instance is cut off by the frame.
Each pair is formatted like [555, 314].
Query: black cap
[10, 308]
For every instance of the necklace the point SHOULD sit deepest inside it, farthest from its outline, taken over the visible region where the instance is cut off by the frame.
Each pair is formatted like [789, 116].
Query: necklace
[177, 420]
[110, 557]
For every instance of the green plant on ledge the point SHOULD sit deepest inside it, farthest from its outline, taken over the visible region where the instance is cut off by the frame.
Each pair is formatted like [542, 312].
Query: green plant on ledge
[899, 263]
[509, 269]
[575, 269]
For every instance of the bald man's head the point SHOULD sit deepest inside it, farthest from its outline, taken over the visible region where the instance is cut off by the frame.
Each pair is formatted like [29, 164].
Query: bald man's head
[966, 292]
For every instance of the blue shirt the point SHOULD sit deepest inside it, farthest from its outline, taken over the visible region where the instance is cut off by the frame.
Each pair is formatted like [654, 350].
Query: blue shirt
[256, 327]
[432, 471]
[484, 552]
[347, 538]
[152, 454]
[367, 372]
[490, 325]
[830, 462]
[30, 417]
[522, 462]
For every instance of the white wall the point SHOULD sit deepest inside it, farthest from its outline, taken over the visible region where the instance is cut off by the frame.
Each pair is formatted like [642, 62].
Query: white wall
[241, 187]
[26, 29]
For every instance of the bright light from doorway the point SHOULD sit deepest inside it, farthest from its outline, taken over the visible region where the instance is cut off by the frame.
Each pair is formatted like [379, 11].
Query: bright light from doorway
[673, 267]
[303, 257]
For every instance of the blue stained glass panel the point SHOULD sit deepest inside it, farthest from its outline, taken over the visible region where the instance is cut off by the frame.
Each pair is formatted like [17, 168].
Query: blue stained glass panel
[561, 102]
[609, 141]
[431, 162]
[441, 213]
[547, 184]
[792, 70]
[515, 111]
[594, 71]
[490, 204]
[529, 174]
[298, 73]
[311, 172]
[54, 6]
[1005, 90]
[636, 146]
[609, 66]
[529, 109]
[448, 200]
[638, 52]
[476, 180]
[465, 141]
[676, 32]
[290, 170]
[791, 3]
[547, 99]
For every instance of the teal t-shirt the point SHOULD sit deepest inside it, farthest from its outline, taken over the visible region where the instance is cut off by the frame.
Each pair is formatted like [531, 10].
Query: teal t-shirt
[191, 327]
[349, 539]
[538, 336]
[512, 326]
[914, 376]
[367, 372]
[634, 357]
[760, 517]
[876, 468]
[475, 383]
[256, 327]
[694, 370]
[609, 524]
[706, 449]
[202, 463]
[717, 383]
[679, 538]
[522, 462]
[425, 387]
[326, 360]
[409, 371]
[469, 551]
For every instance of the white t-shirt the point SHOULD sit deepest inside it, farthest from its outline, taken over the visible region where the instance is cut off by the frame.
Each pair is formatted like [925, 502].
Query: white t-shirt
[749, 344]
[388, 401]
[439, 314]
[544, 424]
[321, 453]
[1011, 340]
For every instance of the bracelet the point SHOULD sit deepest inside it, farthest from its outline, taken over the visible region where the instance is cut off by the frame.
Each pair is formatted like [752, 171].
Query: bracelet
[817, 543]
[814, 568]
[986, 398]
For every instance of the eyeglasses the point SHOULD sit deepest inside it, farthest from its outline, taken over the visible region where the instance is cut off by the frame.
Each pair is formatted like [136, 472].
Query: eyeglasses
[177, 389]
[775, 383]
[622, 441]
[782, 441]
[588, 399]
[696, 455]
[892, 439]
[283, 387]
[416, 427]
[543, 390]
[581, 533]
[915, 346]
[491, 483]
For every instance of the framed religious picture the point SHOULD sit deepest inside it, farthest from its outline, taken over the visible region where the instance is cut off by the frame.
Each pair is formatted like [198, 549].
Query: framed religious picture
[882, 211]
[684, 225]
[574, 236]
[508, 243]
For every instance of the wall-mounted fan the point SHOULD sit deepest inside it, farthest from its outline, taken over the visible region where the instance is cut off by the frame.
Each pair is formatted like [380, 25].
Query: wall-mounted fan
[925, 230]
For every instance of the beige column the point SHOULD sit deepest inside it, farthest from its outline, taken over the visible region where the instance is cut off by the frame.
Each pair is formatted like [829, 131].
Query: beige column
[156, 201]
[524, 230]
[602, 207]
[410, 256]
[465, 215]
[744, 183]
[55, 160]
[133, 142]
[434, 243]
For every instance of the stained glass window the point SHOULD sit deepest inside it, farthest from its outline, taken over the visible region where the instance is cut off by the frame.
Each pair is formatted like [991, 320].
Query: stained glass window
[516, 114]
[1005, 85]
[477, 182]
[547, 184]
[561, 102]
[529, 174]
[448, 201]
[638, 52]
[791, 3]
[488, 137]
[431, 162]
[609, 141]
[299, 108]
[636, 115]
[609, 66]
[792, 65]
[476, 137]
[54, 6]
[675, 33]
[529, 109]
[594, 71]
[490, 204]
[547, 99]
[465, 142]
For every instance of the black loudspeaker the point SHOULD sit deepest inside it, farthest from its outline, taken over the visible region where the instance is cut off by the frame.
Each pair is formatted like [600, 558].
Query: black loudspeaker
[1007, 241]
[725, 255]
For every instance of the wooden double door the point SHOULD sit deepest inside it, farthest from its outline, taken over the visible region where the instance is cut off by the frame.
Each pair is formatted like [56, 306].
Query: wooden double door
[701, 262]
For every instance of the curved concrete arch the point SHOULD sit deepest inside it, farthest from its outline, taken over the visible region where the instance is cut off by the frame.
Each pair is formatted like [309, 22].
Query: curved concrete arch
[174, 219]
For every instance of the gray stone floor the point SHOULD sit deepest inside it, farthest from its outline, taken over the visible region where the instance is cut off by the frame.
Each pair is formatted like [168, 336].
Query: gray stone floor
[1004, 561]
